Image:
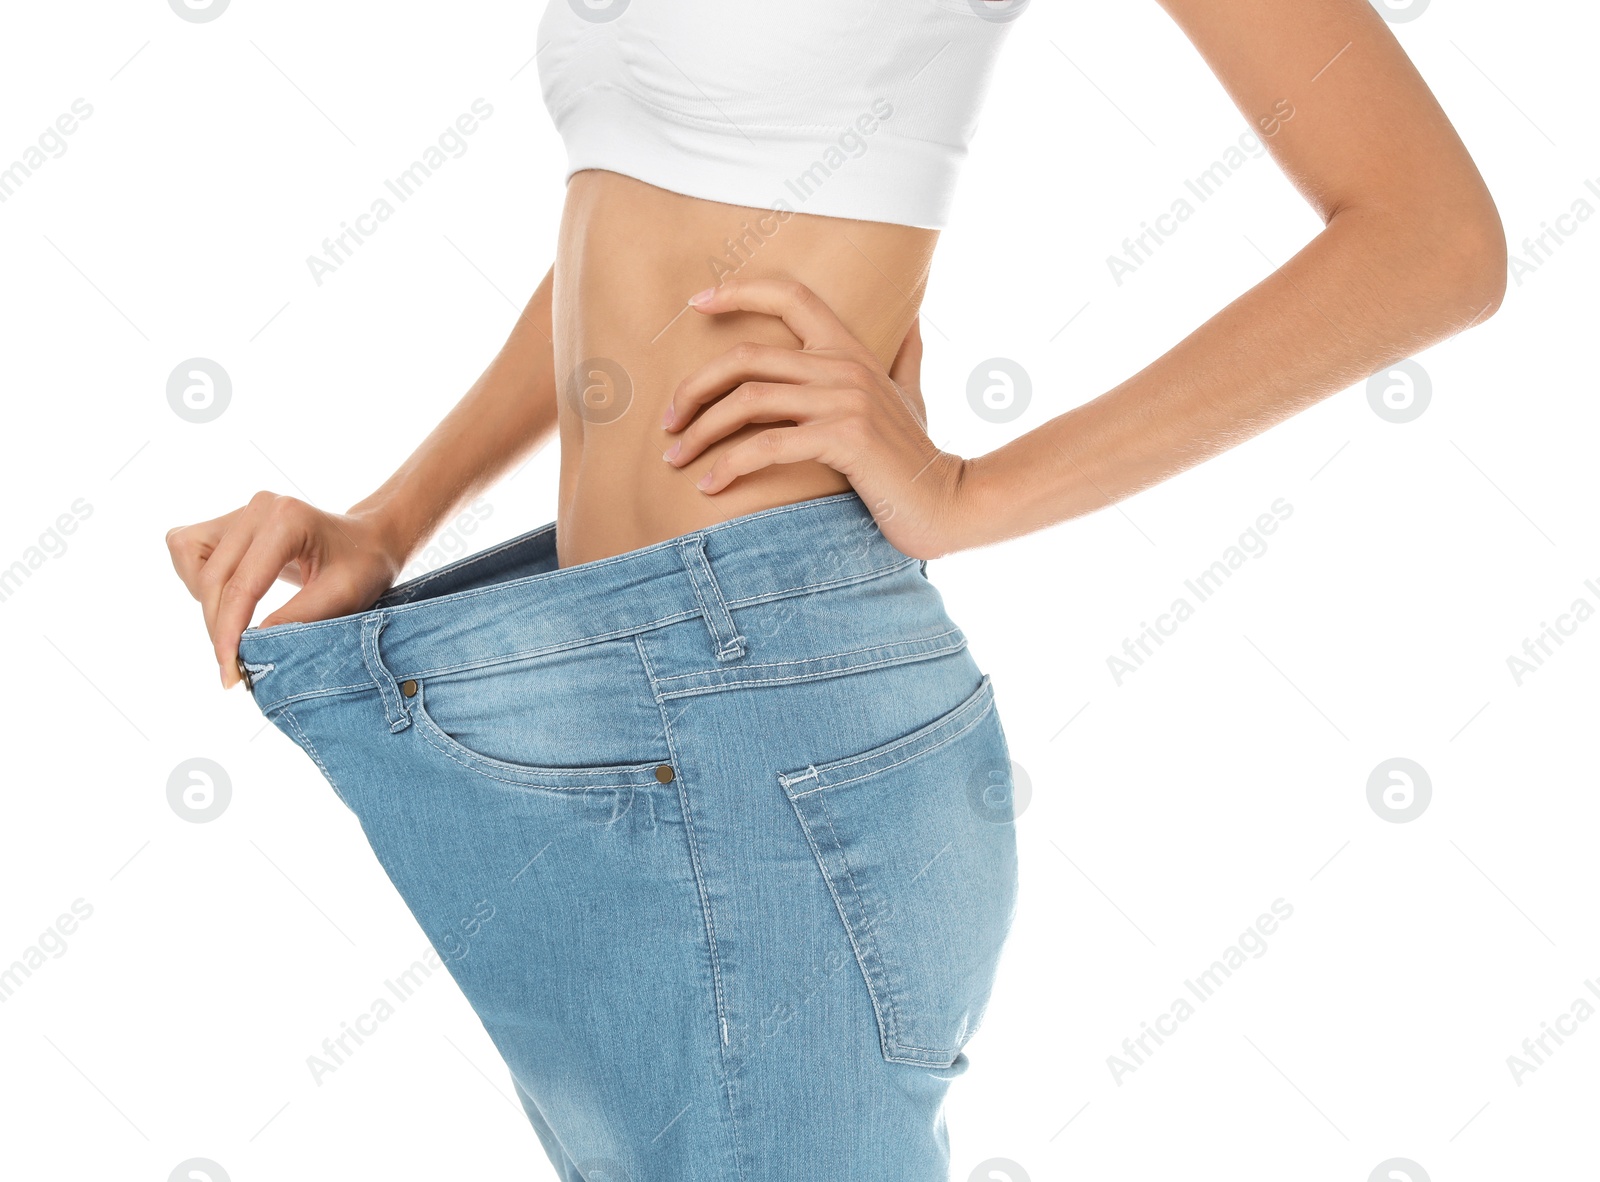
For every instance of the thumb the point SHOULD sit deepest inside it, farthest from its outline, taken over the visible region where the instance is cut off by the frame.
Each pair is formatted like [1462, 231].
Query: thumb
[907, 368]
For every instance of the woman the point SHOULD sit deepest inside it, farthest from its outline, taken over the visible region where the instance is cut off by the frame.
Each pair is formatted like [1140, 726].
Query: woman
[697, 790]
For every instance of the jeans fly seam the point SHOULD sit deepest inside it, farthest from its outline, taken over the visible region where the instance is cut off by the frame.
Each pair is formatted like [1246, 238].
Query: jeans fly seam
[705, 906]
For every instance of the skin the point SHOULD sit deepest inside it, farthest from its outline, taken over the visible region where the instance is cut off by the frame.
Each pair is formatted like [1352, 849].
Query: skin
[796, 375]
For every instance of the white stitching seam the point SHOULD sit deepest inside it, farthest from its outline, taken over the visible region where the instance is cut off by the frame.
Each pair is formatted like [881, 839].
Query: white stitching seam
[904, 1052]
[486, 774]
[623, 633]
[705, 900]
[876, 752]
[849, 928]
[818, 675]
[311, 750]
[817, 660]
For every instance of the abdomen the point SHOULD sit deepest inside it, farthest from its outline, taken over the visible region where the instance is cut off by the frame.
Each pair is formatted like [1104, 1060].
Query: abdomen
[629, 256]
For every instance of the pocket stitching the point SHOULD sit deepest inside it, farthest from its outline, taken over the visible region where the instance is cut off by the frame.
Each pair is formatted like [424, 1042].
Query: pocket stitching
[894, 1049]
[943, 1055]
[891, 1036]
[878, 1006]
[311, 750]
[482, 765]
[931, 729]
[881, 991]
[867, 648]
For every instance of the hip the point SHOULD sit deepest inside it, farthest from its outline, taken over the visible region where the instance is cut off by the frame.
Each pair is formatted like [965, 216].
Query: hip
[761, 746]
[545, 675]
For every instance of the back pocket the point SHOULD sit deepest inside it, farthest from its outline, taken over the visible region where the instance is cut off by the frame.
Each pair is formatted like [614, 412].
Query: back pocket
[916, 842]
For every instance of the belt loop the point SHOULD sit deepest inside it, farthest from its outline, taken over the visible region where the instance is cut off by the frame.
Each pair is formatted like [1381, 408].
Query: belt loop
[394, 706]
[724, 636]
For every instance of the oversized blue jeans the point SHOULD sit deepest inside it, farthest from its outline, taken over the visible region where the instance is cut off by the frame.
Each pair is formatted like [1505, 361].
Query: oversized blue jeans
[715, 835]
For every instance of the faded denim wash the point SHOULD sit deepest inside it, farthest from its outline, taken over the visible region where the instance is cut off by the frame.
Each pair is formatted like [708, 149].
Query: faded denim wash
[715, 835]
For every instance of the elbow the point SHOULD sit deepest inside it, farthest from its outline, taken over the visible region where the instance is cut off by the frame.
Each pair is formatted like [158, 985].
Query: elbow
[1474, 265]
[1445, 266]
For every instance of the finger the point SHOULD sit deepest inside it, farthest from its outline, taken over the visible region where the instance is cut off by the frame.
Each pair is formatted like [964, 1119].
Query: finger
[750, 362]
[270, 551]
[777, 445]
[907, 367]
[800, 308]
[190, 545]
[225, 557]
[753, 402]
[322, 598]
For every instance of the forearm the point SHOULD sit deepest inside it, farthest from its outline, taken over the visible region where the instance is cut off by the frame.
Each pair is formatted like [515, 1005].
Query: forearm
[1363, 293]
[509, 412]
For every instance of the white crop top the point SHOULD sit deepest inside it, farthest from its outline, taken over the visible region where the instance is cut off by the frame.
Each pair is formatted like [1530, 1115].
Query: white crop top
[849, 108]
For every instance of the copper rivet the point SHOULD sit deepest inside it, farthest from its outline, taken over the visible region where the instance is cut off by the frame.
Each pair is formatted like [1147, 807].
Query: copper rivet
[664, 773]
[244, 673]
[408, 688]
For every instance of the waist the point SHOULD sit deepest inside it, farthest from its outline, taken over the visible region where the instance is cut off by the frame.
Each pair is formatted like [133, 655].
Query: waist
[629, 256]
[811, 589]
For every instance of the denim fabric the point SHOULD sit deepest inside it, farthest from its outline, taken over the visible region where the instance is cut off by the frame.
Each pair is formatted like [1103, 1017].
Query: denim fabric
[715, 836]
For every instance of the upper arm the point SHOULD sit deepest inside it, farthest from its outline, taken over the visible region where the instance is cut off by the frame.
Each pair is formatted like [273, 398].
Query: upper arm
[1343, 111]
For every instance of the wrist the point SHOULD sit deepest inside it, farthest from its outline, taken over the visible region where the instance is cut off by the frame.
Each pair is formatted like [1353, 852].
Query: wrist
[974, 518]
[387, 529]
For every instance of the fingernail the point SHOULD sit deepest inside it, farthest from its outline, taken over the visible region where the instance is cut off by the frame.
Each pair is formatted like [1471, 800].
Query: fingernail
[671, 453]
[704, 481]
[667, 416]
[224, 675]
[701, 297]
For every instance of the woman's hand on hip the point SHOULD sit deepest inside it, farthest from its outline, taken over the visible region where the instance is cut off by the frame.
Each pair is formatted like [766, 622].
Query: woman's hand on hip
[338, 561]
[846, 411]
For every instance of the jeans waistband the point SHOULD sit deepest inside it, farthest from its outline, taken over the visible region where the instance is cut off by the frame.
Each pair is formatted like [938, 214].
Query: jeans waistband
[512, 600]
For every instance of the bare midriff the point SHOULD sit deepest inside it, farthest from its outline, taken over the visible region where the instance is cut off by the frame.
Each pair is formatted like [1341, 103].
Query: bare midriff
[629, 256]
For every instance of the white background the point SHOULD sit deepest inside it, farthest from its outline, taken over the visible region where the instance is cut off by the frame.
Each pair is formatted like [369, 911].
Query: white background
[1167, 812]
